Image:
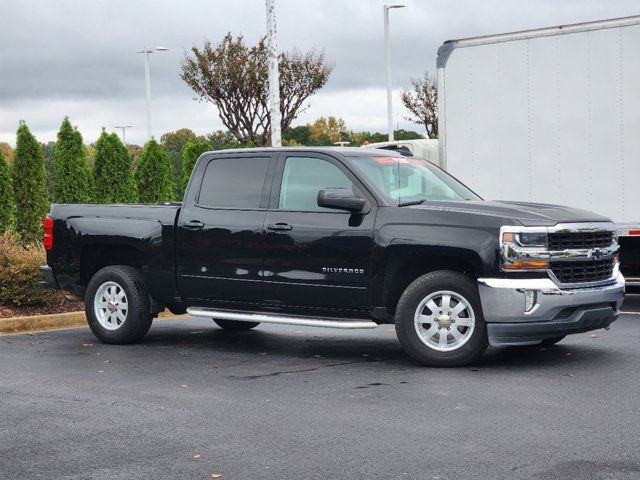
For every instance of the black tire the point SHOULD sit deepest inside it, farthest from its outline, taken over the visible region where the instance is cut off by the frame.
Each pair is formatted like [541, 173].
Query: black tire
[547, 342]
[138, 314]
[418, 290]
[235, 326]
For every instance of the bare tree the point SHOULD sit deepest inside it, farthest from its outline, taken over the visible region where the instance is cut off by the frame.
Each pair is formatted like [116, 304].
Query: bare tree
[234, 77]
[422, 102]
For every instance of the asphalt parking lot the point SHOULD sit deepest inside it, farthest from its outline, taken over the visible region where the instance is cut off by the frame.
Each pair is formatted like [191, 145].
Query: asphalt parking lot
[192, 401]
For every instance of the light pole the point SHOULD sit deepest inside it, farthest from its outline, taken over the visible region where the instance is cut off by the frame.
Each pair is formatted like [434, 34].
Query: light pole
[147, 80]
[274, 77]
[123, 128]
[386, 9]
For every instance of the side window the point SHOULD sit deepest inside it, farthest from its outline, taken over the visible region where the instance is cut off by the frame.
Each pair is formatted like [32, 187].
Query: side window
[303, 178]
[233, 182]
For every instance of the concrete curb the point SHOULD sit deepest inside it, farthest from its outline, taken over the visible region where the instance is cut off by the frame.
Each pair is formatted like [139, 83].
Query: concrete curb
[54, 321]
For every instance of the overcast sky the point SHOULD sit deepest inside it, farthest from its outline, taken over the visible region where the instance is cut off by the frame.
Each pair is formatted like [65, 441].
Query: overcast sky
[78, 58]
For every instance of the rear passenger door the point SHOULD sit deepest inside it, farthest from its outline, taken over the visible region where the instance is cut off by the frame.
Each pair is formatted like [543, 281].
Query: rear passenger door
[220, 241]
[317, 260]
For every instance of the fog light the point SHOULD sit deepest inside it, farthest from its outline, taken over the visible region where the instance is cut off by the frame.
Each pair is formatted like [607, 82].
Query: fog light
[529, 300]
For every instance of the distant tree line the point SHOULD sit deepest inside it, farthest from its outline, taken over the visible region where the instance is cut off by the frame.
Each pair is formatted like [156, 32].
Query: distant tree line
[34, 175]
[328, 131]
[31, 181]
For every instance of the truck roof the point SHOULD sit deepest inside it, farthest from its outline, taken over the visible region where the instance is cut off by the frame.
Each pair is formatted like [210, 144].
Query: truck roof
[346, 151]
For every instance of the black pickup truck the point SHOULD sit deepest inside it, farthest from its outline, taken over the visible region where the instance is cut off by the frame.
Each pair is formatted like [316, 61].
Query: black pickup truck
[343, 238]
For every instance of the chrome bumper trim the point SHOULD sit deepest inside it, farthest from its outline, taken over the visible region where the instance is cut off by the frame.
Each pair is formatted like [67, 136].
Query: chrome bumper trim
[503, 299]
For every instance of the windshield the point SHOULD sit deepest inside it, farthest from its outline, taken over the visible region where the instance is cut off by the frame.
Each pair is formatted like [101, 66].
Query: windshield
[408, 180]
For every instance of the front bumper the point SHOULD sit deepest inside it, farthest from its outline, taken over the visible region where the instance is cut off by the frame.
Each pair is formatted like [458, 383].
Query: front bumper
[549, 311]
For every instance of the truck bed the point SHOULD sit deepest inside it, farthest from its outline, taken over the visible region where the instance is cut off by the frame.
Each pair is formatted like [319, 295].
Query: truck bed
[87, 237]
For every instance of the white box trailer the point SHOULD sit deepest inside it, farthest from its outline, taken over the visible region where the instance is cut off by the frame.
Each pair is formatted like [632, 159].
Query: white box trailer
[549, 115]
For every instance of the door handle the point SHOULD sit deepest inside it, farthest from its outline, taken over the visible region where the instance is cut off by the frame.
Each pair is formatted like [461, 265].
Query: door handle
[193, 225]
[279, 227]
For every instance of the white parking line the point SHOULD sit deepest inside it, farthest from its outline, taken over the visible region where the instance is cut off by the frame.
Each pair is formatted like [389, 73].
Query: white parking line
[630, 313]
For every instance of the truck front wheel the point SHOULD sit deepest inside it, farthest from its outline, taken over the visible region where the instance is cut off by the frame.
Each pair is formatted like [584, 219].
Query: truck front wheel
[439, 320]
[117, 305]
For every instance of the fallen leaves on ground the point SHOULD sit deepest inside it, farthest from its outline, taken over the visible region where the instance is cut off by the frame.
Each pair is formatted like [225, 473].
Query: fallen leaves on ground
[568, 354]
[107, 362]
[196, 456]
[593, 335]
[184, 385]
[216, 475]
[86, 345]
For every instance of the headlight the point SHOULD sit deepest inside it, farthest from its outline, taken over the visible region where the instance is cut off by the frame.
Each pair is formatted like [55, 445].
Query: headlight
[526, 239]
[533, 239]
[523, 249]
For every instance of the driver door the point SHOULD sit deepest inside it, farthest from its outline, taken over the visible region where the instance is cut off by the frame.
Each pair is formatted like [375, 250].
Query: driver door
[316, 259]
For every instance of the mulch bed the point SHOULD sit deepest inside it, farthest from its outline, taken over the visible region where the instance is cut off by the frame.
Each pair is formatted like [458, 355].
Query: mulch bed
[59, 305]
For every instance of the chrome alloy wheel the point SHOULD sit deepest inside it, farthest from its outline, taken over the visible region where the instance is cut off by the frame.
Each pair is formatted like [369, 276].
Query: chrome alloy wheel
[110, 305]
[444, 321]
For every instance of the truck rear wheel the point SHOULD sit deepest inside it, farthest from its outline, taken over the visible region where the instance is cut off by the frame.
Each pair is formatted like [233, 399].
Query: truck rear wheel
[117, 305]
[439, 320]
[235, 326]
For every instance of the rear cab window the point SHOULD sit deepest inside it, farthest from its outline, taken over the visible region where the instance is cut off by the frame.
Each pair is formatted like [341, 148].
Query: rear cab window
[233, 183]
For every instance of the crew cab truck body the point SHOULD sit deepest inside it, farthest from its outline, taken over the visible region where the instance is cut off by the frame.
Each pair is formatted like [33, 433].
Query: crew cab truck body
[345, 238]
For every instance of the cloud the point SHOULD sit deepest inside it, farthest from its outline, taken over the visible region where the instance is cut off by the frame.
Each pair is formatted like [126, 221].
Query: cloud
[78, 58]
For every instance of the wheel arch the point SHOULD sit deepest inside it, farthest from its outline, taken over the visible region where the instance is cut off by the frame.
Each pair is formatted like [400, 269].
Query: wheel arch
[405, 267]
[96, 256]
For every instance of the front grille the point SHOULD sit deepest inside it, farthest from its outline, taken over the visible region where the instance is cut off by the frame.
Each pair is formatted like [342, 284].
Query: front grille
[570, 240]
[582, 271]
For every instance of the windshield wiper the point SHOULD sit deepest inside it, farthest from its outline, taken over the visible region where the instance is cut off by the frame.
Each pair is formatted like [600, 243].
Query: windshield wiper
[408, 204]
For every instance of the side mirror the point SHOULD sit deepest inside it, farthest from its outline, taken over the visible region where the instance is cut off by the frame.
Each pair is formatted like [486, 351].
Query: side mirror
[341, 199]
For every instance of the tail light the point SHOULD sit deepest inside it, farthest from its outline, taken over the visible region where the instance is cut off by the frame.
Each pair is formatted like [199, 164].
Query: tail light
[47, 239]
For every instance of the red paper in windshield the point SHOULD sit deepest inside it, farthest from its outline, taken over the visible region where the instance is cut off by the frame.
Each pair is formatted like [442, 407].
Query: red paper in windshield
[395, 160]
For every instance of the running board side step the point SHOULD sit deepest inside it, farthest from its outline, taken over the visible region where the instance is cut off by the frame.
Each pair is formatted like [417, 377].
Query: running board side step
[281, 319]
